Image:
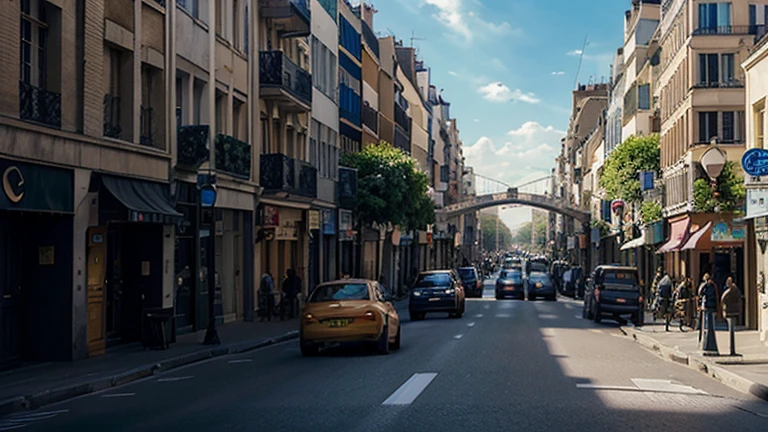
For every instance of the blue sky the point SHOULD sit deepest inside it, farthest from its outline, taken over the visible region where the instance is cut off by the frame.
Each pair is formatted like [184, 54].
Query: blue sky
[508, 68]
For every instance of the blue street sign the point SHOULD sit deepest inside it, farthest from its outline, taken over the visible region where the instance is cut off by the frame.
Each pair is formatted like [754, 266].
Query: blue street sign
[755, 162]
[208, 196]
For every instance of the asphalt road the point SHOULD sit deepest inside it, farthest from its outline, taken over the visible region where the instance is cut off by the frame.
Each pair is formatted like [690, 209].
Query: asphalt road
[507, 365]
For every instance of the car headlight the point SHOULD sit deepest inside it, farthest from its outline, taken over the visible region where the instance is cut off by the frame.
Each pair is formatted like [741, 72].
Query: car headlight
[450, 291]
[538, 285]
[417, 293]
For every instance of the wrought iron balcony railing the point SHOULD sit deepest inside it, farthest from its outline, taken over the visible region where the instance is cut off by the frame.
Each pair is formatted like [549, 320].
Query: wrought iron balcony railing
[112, 127]
[192, 142]
[371, 118]
[727, 30]
[402, 119]
[39, 105]
[282, 173]
[233, 156]
[278, 71]
[733, 83]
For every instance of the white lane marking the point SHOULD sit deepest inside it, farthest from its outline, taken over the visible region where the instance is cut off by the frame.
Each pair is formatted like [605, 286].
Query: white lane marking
[240, 361]
[503, 316]
[458, 336]
[665, 386]
[487, 306]
[116, 395]
[569, 306]
[479, 316]
[547, 316]
[471, 324]
[411, 389]
[605, 387]
[174, 379]
[578, 317]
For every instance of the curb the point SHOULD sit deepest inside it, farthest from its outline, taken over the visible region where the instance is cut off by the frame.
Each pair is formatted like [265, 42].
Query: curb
[47, 397]
[701, 364]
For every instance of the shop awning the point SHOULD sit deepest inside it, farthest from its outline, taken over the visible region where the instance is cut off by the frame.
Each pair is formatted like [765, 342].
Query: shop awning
[636, 243]
[678, 232]
[146, 201]
[698, 238]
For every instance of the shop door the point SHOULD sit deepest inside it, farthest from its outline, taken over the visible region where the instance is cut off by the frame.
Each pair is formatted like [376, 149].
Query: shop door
[96, 273]
[10, 289]
[114, 287]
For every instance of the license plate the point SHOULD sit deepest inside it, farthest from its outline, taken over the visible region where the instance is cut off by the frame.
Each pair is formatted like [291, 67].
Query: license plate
[335, 323]
[621, 300]
[509, 288]
[435, 299]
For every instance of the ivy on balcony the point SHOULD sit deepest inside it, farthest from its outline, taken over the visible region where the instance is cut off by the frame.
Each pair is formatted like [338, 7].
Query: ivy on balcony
[729, 195]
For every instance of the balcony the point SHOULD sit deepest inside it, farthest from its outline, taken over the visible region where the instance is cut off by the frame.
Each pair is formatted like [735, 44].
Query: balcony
[370, 39]
[281, 173]
[733, 83]
[347, 188]
[39, 105]
[402, 141]
[371, 118]
[292, 18]
[728, 30]
[402, 119]
[233, 156]
[192, 146]
[112, 128]
[282, 80]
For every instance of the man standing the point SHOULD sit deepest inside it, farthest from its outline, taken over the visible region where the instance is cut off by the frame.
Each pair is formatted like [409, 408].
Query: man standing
[266, 296]
[291, 290]
[708, 295]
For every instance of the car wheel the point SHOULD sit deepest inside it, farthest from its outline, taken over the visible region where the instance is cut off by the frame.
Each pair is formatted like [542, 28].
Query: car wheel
[531, 297]
[597, 315]
[308, 349]
[499, 297]
[394, 346]
[382, 345]
[553, 297]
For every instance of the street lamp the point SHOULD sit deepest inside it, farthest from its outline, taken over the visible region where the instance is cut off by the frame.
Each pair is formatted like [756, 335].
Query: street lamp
[713, 161]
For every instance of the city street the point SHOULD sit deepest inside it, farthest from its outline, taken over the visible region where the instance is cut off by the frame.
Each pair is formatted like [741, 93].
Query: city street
[506, 365]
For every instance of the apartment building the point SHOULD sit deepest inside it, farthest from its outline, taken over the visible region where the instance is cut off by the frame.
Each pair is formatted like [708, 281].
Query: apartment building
[702, 110]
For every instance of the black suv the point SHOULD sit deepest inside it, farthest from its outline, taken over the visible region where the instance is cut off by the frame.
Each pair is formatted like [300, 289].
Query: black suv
[614, 291]
[473, 285]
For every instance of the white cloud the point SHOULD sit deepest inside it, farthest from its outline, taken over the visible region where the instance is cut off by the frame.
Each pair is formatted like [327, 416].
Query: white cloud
[498, 92]
[477, 120]
[577, 52]
[449, 12]
[452, 73]
[558, 73]
[528, 155]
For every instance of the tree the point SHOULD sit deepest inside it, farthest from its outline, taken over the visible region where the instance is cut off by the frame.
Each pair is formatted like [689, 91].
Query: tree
[730, 187]
[524, 234]
[488, 225]
[621, 172]
[390, 188]
[650, 212]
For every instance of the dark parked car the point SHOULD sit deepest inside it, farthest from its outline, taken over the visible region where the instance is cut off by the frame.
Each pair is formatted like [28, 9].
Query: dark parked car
[510, 284]
[512, 263]
[539, 284]
[473, 283]
[436, 291]
[614, 291]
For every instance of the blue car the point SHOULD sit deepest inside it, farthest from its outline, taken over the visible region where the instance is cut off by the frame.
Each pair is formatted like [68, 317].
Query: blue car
[510, 284]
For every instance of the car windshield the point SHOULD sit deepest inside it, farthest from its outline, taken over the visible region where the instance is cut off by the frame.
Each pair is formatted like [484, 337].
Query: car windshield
[539, 278]
[513, 275]
[620, 280]
[538, 267]
[467, 273]
[433, 280]
[337, 292]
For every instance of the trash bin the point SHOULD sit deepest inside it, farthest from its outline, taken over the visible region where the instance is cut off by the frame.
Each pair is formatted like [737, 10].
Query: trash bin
[154, 334]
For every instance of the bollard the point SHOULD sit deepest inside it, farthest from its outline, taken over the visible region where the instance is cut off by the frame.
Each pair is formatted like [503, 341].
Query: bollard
[732, 305]
[732, 331]
[709, 340]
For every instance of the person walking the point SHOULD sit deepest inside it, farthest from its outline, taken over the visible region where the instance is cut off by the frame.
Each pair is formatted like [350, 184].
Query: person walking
[291, 290]
[664, 300]
[683, 299]
[266, 296]
[708, 296]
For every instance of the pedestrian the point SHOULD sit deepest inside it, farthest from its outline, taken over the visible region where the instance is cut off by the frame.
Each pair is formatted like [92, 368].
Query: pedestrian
[291, 290]
[708, 296]
[651, 290]
[732, 290]
[683, 298]
[664, 299]
[266, 296]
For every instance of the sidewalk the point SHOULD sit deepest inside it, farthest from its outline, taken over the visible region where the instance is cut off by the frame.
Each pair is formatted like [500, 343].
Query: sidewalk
[747, 373]
[41, 384]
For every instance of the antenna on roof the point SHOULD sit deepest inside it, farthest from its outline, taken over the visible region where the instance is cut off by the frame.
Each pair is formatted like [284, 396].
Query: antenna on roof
[414, 38]
[581, 59]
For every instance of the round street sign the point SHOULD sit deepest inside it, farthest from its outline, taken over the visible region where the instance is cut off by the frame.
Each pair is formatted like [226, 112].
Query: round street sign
[208, 195]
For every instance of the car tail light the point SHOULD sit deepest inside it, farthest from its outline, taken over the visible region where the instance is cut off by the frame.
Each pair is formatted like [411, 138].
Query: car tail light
[597, 294]
[479, 284]
[640, 299]
[308, 317]
[370, 316]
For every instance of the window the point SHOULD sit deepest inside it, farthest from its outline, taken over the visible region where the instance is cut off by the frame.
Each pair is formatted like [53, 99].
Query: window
[709, 70]
[707, 126]
[239, 120]
[727, 68]
[644, 97]
[714, 18]
[221, 108]
[324, 74]
[728, 127]
[148, 93]
[115, 106]
[190, 6]
[237, 27]
[759, 113]
[339, 292]
[265, 137]
[220, 18]
[757, 16]
[34, 38]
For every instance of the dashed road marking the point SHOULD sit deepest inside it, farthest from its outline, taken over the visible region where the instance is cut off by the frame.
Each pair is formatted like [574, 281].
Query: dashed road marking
[578, 317]
[117, 395]
[503, 316]
[547, 316]
[411, 389]
[458, 336]
[19, 421]
[487, 306]
[174, 379]
[471, 324]
[240, 361]
[479, 316]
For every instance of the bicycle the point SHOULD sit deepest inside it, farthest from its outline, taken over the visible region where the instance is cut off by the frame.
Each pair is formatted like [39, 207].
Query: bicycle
[680, 314]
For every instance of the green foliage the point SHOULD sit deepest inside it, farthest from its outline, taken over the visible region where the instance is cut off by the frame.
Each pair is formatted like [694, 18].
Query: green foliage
[730, 186]
[488, 224]
[650, 212]
[524, 234]
[530, 231]
[621, 173]
[391, 188]
[603, 226]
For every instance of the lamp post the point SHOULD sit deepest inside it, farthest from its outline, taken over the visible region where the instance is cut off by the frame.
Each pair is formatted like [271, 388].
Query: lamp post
[207, 201]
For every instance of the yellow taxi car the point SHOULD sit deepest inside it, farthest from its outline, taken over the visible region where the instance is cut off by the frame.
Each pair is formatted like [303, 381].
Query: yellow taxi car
[349, 310]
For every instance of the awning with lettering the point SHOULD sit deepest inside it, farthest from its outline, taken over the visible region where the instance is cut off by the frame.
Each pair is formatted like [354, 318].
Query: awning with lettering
[699, 239]
[678, 233]
[145, 201]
